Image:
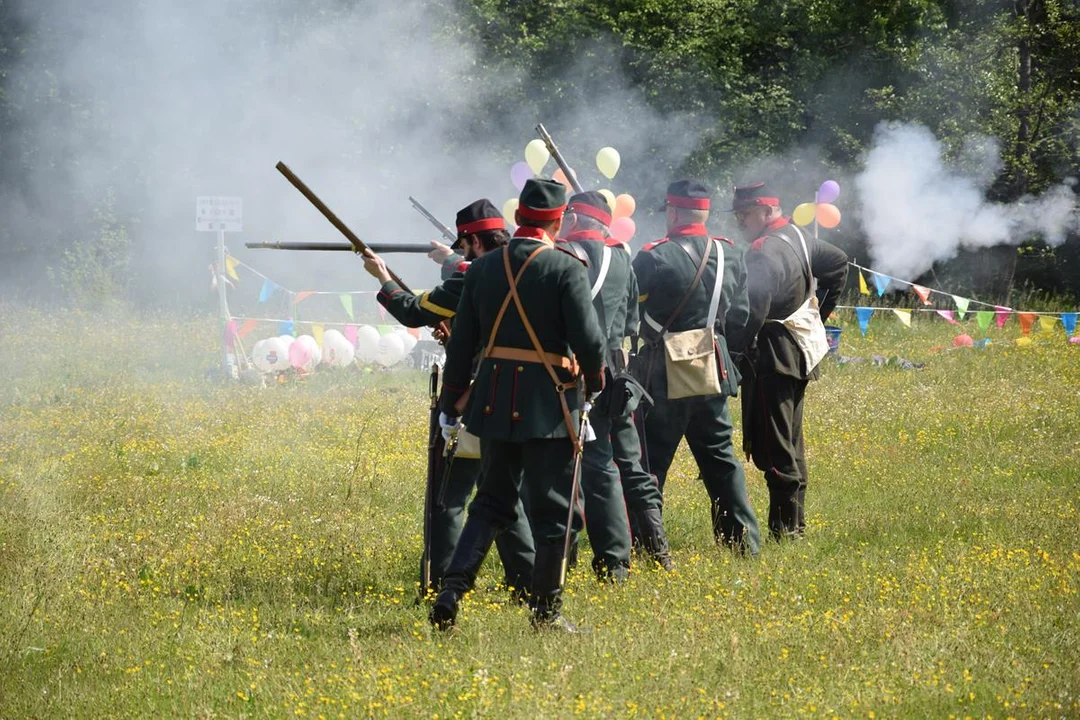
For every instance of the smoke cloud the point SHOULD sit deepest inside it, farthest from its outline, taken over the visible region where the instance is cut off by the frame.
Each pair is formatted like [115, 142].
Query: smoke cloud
[160, 102]
[917, 210]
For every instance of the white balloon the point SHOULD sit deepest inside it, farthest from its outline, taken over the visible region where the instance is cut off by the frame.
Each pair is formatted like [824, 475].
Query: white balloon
[390, 350]
[408, 339]
[270, 355]
[367, 343]
[336, 350]
[287, 339]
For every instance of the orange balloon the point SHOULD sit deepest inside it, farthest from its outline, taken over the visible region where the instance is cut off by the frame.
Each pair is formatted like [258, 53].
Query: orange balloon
[560, 177]
[828, 216]
[625, 205]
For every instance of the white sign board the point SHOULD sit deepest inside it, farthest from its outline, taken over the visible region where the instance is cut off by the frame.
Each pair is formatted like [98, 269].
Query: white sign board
[217, 213]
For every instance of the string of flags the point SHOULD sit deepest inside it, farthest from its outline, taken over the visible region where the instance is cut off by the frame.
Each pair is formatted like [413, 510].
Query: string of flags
[269, 288]
[998, 314]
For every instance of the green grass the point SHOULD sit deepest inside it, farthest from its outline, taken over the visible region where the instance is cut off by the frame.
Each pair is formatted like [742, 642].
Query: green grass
[171, 545]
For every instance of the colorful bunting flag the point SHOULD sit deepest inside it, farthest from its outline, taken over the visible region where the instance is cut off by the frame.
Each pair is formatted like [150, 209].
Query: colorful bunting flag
[1069, 321]
[246, 328]
[984, 318]
[267, 290]
[1047, 323]
[230, 267]
[286, 327]
[384, 329]
[922, 292]
[230, 334]
[351, 333]
[863, 289]
[948, 315]
[863, 314]
[880, 282]
[961, 305]
[303, 295]
[904, 315]
[317, 333]
[1027, 319]
[346, 302]
[1001, 314]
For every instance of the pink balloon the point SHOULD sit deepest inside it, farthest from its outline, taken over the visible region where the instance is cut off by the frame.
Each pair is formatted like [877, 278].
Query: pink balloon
[350, 334]
[829, 191]
[299, 354]
[519, 173]
[623, 229]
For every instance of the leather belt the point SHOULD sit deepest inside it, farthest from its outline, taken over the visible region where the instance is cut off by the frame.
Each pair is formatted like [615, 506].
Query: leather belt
[522, 355]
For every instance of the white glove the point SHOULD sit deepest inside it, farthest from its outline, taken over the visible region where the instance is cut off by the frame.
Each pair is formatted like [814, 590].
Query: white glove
[587, 432]
[450, 426]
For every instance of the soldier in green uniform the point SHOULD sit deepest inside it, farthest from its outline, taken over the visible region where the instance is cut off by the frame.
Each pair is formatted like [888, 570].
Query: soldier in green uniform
[481, 229]
[691, 282]
[527, 309]
[782, 264]
[615, 485]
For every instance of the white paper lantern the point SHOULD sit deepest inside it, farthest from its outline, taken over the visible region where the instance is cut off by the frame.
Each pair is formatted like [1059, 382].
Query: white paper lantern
[390, 350]
[337, 351]
[367, 343]
[270, 355]
[407, 338]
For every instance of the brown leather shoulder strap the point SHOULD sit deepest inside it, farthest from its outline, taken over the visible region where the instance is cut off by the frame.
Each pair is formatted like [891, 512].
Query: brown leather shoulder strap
[513, 280]
[560, 386]
[690, 290]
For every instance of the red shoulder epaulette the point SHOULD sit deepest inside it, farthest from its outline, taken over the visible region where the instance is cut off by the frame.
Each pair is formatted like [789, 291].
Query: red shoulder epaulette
[756, 245]
[462, 266]
[654, 243]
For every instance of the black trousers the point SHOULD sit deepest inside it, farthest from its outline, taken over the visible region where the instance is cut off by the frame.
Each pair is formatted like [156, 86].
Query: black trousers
[773, 436]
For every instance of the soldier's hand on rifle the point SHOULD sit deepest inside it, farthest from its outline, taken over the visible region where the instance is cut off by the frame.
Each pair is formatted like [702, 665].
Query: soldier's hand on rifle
[376, 267]
[440, 335]
[439, 252]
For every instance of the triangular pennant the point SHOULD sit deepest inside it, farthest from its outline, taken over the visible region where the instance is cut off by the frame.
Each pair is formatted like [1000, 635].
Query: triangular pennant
[863, 314]
[267, 290]
[384, 329]
[247, 327]
[922, 292]
[230, 267]
[1069, 321]
[1027, 319]
[317, 333]
[948, 315]
[880, 282]
[1001, 314]
[346, 302]
[984, 318]
[286, 327]
[303, 295]
[1047, 323]
[961, 305]
[904, 315]
[863, 289]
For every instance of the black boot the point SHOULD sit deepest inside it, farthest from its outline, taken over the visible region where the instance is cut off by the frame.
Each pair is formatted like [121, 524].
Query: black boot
[783, 515]
[546, 599]
[800, 520]
[473, 546]
[653, 539]
[727, 530]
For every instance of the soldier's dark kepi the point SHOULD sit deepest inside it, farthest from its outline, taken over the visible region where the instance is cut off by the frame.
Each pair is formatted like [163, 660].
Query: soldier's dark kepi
[591, 204]
[688, 194]
[477, 217]
[542, 200]
[747, 196]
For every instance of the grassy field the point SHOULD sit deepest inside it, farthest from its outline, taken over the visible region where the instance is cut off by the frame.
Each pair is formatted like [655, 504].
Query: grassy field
[172, 545]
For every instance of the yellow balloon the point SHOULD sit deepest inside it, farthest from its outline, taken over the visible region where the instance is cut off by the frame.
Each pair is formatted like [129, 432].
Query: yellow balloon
[537, 155]
[608, 161]
[804, 214]
[610, 197]
[508, 209]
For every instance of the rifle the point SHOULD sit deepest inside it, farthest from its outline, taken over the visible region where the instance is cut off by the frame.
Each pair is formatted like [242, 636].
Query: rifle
[445, 230]
[343, 247]
[431, 491]
[358, 245]
[575, 489]
[570, 177]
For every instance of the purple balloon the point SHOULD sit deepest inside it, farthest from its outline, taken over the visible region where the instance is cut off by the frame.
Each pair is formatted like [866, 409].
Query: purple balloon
[519, 173]
[829, 191]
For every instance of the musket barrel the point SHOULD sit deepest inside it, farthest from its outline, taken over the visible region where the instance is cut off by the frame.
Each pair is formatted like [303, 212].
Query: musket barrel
[559, 159]
[340, 247]
[444, 229]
